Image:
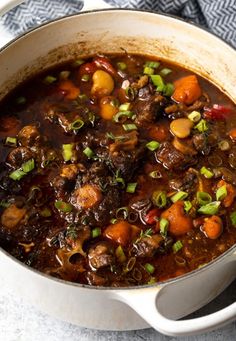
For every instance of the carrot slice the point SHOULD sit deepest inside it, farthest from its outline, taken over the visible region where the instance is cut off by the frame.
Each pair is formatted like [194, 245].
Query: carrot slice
[87, 196]
[213, 227]
[121, 232]
[71, 91]
[187, 90]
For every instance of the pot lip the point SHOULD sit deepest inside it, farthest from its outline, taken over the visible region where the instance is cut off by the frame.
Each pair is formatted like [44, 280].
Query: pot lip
[146, 286]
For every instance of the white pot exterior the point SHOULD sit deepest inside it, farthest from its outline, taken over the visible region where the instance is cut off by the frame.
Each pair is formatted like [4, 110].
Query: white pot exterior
[136, 32]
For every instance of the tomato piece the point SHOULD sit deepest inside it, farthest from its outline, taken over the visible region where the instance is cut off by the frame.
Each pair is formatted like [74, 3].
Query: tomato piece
[151, 216]
[217, 112]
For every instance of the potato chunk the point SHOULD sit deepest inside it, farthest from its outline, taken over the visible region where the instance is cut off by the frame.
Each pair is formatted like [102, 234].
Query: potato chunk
[12, 215]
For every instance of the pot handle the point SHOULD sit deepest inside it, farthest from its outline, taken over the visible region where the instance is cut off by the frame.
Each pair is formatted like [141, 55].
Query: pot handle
[147, 305]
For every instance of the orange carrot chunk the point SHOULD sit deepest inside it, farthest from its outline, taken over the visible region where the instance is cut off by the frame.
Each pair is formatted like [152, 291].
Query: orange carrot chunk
[187, 90]
[231, 193]
[121, 232]
[71, 91]
[213, 227]
[179, 222]
[232, 134]
[87, 196]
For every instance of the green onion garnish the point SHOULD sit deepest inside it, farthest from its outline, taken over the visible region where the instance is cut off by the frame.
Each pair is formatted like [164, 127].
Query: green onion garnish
[158, 82]
[131, 187]
[221, 193]
[49, 79]
[168, 89]
[164, 72]
[149, 268]
[148, 70]
[164, 223]
[64, 75]
[153, 145]
[155, 174]
[120, 254]
[63, 206]
[233, 218]
[67, 151]
[159, 198]
[206, 172]
[77, 124]
[96, 232]
[203, 198]
[128, 114]
[28, 166]
[121, 181]
[17, 174]
[179, 196]
[194, 116]
[187, 206]
[121, 66]
[122, 213]
[152, 64]
[129, 126]
[124, 106]
[85, 78]
[11, 141]
[113, 221]
[88, 152]
[201, 126]
[4, 204]
[91, 117]
[78, 62]
[210, 209]
[130, 93]
[46, 213]
[177, 246]
[21, 100]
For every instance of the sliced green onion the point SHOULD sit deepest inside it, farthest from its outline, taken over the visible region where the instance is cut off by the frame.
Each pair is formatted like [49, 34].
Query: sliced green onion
[164, 72]
[129, 126]
[85, 78]
[224, 145]
[177, 246]
[233, 218]
[78, 62]
[179, 196]
[210, 209]
[121, 66]
[131, 187]
[64, 75]
[113, 221]
[46, 212]
[206, 172]
[158, 82]
[11, 141]
[168, 89]
[201, 126]
[120, 180]
[17, 174]
[21, 100]
[28, 166]
[221, 193]
[130, 93]
[124, 106]
[63, 206]
[148, 70]
[77, 124]
[159, 198]
[88, 152]
[67, 151]
[155, 175]
[91, 117]
[187, 206]
[194, 116]
[203, 198]
[50, 79]
[152, 280]
[116, 117]
[122, 213]
[120, 254]
[164, 223]
[149, 268]
[96, 232]
[152, 64]
[83, 97]
[4, 204]
[153, 145]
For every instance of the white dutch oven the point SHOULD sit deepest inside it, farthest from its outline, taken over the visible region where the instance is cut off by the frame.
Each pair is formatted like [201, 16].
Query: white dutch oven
[159, 305]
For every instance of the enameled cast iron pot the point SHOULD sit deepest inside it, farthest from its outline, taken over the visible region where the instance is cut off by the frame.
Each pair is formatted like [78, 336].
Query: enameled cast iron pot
[161, 304]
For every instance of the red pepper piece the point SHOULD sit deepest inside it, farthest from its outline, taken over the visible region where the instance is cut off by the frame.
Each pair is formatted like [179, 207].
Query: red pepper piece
[218, 112]
[151, 216]
[87, 68]
[104, 63]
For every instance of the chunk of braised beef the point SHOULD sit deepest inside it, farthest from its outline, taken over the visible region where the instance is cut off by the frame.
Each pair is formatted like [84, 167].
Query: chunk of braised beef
[147, 111]
[18, 156]
[186, 183]
[28, 136]
[94, 279]
[62, 185]
[173, 159]
[200, 142]
[147, 246]
[101, 255]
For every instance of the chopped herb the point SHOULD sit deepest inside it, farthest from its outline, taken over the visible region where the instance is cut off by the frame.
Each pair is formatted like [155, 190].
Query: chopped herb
[177, 246]
[210, 209]
[50, 79]
[149, 268]
[129, 126]
[152, 280]
[164, 223]
[131, 187]
[152, 64]
[96, 232]
[206, 172]
[77, 124]
[17, 174]
[146, 233]
[153, 145]
[63, 206]
[4, 203]
[67, 151]
[88, 152]
[28, 166]
[159, 198]
[11, 141]
[85, 78]
[194, 116]
[120, 254]
[203, 198]
[111, 136]
[201, 126]
[155, 175]
[148, 70]
[158, 82]
[233, 218]
[179, 196]
[187, 206]
[92, 118]
[118, 179]
[113, 221]
[121, 66]
[130, 93]
[124, 106]
[221, 193]
[78, 62]
[164, 72]
[122, 213]
[168, 89]
[72, 232]
[117, 116]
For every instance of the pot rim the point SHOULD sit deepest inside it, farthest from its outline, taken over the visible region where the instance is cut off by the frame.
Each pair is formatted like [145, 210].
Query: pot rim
[157, 284]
